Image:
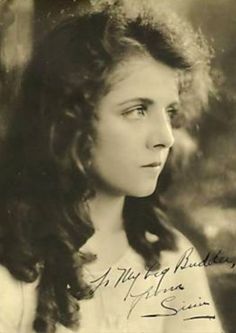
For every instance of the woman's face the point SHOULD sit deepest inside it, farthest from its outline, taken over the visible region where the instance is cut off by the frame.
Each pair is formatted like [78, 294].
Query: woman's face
[133, 129]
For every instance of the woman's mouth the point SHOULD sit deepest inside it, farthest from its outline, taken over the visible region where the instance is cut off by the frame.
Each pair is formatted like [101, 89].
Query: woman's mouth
[152, 165]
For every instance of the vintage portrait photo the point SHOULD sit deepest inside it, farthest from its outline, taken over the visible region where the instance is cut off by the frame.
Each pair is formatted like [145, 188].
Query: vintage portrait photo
[117, 166]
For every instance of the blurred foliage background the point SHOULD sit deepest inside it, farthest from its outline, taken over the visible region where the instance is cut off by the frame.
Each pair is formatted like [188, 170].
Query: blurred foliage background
[202, 193]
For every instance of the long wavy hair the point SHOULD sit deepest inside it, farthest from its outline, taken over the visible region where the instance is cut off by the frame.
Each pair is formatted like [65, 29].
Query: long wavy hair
[45, 164]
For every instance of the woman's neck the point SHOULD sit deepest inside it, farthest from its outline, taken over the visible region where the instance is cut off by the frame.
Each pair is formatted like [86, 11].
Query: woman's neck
[106, 212]
[109, 242]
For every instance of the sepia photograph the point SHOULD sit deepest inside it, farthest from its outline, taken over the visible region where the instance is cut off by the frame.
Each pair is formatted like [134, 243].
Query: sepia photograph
[117, 166]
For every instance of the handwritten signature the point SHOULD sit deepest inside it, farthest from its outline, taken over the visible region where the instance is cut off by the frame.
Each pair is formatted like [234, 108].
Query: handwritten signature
[173, 311]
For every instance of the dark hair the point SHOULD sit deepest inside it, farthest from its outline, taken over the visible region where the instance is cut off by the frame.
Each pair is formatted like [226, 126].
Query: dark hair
[45, 165]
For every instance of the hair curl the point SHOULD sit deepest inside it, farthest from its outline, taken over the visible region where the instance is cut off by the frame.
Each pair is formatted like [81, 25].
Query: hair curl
[45, 165]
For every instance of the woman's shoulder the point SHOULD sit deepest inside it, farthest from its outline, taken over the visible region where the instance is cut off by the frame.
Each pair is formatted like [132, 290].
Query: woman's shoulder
[10, 301]
[9, 286]
[17, 301]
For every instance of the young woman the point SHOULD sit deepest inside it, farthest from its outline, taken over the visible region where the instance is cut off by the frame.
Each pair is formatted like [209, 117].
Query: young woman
[85, 246]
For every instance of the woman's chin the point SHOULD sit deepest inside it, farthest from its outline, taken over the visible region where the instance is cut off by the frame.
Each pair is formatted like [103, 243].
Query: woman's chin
[144, 191]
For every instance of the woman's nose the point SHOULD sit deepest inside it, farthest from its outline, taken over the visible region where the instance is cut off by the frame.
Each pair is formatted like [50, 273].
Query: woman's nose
[161, 134]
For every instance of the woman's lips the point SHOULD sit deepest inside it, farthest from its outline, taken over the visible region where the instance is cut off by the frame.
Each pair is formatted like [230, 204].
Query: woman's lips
[152, 169]
[152, 165]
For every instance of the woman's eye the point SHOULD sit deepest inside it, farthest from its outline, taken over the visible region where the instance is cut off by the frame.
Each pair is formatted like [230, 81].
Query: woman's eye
[172, 112]
[135, 112]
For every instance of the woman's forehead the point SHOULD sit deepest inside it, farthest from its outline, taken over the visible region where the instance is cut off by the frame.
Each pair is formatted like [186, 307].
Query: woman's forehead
[143, 75]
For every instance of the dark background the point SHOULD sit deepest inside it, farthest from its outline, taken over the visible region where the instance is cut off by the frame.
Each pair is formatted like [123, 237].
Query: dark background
[202, 195]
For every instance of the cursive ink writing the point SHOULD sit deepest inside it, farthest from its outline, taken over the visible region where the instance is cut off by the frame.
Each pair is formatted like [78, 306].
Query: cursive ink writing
[153, 290]
[210, 259]
[126, 276]
[103, 280]
[173, 310]
[200, 317]
[157, 283]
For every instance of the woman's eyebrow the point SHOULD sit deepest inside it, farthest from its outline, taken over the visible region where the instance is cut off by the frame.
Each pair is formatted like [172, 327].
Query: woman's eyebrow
[146, 101]
[174, 104]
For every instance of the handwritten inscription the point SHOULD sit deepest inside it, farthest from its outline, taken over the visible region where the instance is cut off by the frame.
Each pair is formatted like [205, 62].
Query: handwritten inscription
[158, 284]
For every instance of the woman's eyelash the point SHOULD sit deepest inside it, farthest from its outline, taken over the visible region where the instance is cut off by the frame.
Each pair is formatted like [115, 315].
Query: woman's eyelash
[139, 110]
[172, 112]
